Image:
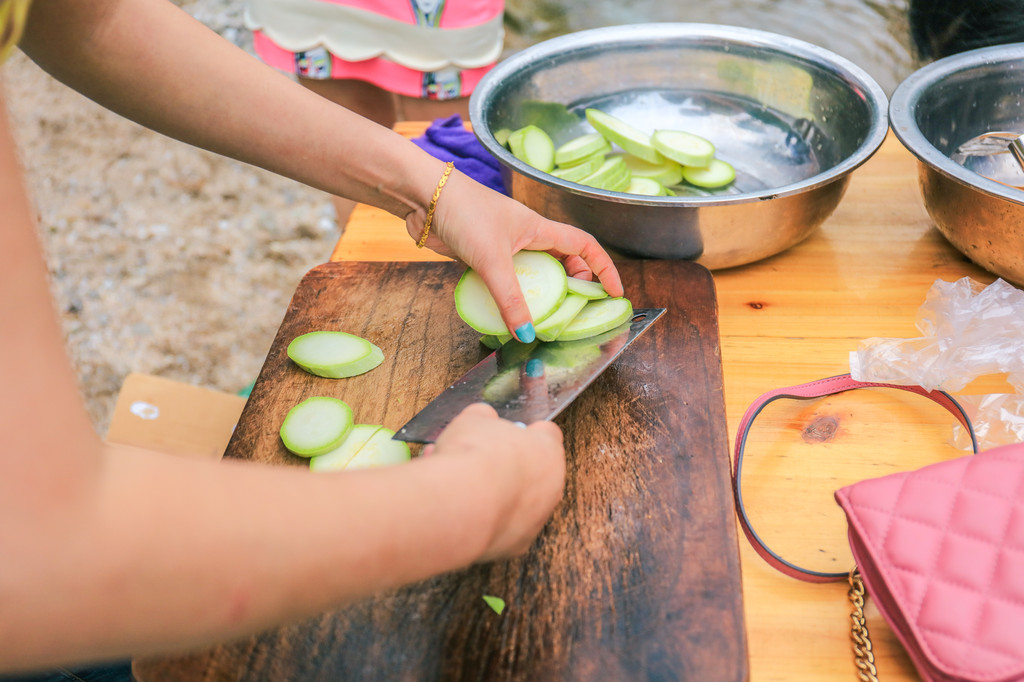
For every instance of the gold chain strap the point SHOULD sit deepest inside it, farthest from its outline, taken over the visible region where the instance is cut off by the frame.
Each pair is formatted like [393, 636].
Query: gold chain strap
[863, 655]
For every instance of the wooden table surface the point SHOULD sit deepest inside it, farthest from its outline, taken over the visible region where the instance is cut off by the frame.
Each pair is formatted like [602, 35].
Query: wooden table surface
[792, 318]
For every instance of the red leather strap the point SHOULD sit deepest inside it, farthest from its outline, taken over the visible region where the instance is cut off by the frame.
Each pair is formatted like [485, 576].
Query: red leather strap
[815, 389]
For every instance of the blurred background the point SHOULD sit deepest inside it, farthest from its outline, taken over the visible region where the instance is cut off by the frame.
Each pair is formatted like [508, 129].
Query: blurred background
[173, 261]
[874, 34]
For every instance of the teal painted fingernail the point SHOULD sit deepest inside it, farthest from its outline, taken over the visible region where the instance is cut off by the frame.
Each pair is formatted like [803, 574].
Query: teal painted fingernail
[526, 334]
[535, 368]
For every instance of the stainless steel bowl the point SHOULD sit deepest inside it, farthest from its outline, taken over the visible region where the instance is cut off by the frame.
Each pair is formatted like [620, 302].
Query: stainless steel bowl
[794, 119]
[936, 110]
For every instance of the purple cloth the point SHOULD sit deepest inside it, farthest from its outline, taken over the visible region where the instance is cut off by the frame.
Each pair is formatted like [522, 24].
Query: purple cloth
[447, 139]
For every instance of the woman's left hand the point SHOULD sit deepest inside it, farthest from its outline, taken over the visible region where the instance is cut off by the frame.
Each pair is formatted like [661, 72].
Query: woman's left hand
[484, 229]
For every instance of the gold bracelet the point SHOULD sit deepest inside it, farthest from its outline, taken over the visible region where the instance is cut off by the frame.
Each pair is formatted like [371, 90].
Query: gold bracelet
[433, 203]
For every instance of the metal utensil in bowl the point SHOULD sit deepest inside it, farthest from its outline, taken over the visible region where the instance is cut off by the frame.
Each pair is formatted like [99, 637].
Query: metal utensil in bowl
[936, 110]
[997, 155]
[794, 119]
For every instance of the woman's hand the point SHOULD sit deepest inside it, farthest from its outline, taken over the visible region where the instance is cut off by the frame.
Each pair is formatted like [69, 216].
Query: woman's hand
[526, 466]
[484, 229]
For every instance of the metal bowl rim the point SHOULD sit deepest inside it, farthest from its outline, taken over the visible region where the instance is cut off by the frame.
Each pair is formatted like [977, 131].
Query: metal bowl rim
[907, 95]
[873, 94]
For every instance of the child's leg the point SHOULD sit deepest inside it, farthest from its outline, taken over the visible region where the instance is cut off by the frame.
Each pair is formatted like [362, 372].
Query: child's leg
[363, 98]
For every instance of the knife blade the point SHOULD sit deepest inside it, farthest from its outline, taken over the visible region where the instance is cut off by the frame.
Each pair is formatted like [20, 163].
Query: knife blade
[528, 382]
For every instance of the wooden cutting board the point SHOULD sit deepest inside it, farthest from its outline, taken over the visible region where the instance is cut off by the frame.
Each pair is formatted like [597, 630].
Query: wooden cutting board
[637, 574]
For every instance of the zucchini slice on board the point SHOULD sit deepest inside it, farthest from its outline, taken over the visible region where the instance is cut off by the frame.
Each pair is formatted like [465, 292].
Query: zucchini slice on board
[334, 354]
[316, 425]
[365, 446]
[380, 451]
[542, 280]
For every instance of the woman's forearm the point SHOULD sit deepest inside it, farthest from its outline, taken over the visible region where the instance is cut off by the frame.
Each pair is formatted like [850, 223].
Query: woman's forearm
[178, 553]
[156, 65]
[108, 552]
[113, 552]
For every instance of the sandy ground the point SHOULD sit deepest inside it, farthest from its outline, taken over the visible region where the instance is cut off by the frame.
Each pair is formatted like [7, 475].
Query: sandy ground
[164, 258]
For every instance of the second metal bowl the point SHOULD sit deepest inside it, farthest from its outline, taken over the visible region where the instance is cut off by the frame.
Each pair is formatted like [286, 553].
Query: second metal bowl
[938, 109]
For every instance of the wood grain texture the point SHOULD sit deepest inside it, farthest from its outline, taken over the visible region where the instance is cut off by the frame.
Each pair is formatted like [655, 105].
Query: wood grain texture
[637, 574]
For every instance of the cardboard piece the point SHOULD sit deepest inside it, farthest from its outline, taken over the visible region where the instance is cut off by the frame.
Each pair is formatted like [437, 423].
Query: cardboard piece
[174, 417]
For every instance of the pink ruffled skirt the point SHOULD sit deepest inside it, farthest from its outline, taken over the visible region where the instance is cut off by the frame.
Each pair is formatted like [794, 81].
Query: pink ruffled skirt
[443, 18]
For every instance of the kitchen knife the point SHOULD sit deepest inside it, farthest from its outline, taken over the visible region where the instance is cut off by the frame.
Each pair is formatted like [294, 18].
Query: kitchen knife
[528, 382]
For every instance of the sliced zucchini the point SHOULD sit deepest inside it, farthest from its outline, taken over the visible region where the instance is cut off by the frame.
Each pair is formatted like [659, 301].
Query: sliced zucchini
[334, 354]
[581, 148]
[554, 324]
[684, 148]
[630, 139]
[587, 288]
[497, 604]
[533, 146]
[717, 173]
[580, 170]
[316, 425]
[646, 187]
[596, 340]
[598, 317]
[501, 136]
[542, 280]
[620, 182]
[380, 451]
[338, 458]
[367, 445]
[495, 341]
[666, 173]
[611, 175]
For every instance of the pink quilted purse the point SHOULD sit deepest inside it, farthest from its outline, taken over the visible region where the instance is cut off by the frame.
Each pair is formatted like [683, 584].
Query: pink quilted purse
[939, 549]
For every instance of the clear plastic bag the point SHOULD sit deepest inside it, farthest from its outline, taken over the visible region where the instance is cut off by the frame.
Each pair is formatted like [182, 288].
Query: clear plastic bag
[998, 419]
[968, 330]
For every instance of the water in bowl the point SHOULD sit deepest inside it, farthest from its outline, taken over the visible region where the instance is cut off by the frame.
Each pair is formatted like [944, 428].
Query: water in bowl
[767, 148]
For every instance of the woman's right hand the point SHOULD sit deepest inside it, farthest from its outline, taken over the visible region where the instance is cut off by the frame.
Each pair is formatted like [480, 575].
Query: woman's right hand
[526, 467]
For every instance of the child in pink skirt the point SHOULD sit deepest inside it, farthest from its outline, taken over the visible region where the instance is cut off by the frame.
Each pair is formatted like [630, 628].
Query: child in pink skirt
[387, 60]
